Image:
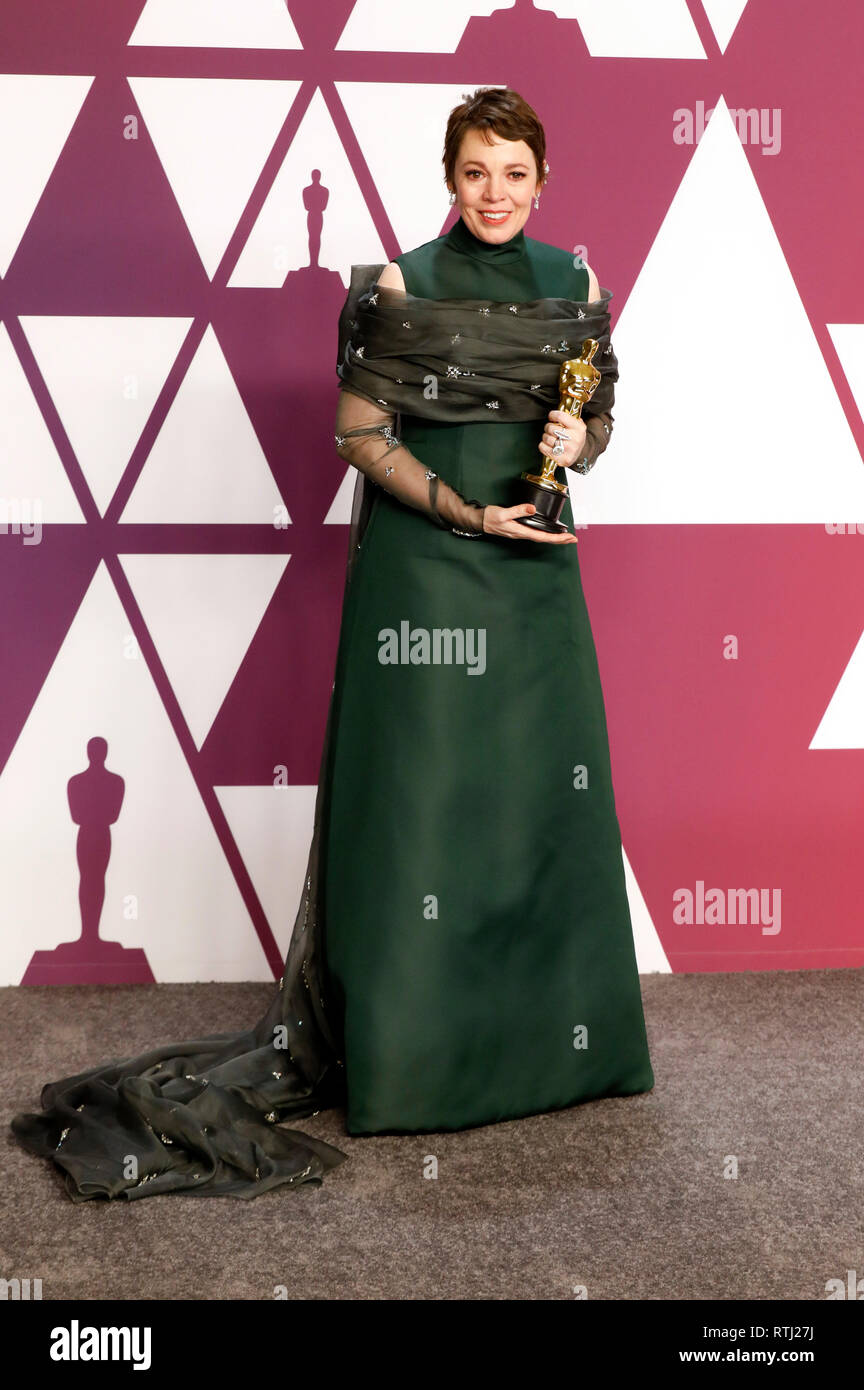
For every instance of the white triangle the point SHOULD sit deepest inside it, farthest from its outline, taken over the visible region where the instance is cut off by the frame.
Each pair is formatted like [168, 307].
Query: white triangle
[343, 503]
[279, 241]
[166, 863]
[202, 612]
[272, 826]
[842, 724]
[206, 464]
[848, 339]
[104, 375]
[416, 204]
[632, 28]
[212, 136]
[723, 16]
[32, 478]
[37, 113]
[391, 26]
[650, 956]
[721, 374]
[215, 24]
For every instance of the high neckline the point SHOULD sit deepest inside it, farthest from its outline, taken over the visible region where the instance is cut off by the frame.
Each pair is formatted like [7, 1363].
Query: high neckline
[461, 238]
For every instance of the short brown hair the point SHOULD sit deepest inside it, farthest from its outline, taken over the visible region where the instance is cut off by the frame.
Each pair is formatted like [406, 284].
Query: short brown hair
[497, 109]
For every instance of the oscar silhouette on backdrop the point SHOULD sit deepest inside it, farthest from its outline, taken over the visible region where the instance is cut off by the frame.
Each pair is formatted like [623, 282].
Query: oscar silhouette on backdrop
[504, 31]
[315, 200]
[95, 797]
[312, 280]
[312, 296]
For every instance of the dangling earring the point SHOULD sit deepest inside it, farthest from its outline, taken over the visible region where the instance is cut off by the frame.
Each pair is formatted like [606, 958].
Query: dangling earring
[545, 177]
[452, 199]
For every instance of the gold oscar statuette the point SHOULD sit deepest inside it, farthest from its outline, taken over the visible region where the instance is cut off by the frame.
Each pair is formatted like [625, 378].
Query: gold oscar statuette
[577, 383]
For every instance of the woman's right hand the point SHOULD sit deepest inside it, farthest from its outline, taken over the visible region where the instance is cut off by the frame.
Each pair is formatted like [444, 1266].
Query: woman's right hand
[501, 521]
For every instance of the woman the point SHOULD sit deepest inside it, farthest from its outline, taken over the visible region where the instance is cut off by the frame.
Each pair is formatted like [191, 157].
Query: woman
[485, 970]
[463, 951]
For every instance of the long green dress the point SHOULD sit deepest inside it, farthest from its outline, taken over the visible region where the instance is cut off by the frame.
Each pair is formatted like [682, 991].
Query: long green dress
[477, 934]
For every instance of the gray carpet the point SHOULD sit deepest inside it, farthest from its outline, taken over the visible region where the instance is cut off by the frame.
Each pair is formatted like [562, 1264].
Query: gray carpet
[623, 1196]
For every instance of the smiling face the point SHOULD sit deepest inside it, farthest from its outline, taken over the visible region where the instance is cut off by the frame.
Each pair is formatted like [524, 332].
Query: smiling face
[494, 184]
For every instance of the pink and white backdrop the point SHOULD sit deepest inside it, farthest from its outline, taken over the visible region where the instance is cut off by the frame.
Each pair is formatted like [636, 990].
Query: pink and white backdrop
[174, 520]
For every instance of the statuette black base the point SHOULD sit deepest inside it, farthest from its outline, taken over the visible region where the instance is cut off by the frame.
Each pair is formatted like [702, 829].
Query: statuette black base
[549, 503]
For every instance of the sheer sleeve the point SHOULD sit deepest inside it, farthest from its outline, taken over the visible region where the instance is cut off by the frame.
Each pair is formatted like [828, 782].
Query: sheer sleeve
[366, 436]
[599, 429]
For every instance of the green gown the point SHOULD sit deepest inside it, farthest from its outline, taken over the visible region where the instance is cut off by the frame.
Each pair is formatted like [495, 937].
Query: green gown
[477, 938]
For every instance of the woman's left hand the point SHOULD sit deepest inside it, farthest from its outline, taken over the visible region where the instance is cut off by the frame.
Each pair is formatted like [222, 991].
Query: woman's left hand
[573, 433]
